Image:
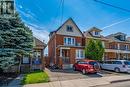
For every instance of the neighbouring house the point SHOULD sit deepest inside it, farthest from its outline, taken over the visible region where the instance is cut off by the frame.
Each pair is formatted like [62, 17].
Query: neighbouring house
[119, 47]
[36, 61]
[116, 45]
[66, 45]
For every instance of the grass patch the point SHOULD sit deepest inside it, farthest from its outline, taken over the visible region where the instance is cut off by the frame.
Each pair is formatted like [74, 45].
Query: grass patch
[35, 77]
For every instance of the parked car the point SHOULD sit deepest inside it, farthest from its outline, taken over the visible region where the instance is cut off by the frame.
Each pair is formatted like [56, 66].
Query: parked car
[116, 65]
[87, 66]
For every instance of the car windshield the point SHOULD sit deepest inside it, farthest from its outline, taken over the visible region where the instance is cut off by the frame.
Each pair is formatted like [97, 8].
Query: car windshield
[93, 63]
[127, 62]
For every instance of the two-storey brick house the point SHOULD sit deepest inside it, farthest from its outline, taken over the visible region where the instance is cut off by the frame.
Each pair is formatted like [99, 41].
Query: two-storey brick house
[66, 45]
[118, 48]
[116, 45]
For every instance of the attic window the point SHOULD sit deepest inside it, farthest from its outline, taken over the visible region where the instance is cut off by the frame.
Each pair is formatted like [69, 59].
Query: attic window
[69, 28]
[96, 33]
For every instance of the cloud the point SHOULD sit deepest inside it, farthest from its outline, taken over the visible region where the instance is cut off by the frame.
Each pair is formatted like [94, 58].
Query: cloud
[39, 32]
[116, 23]
[27, 13]
[20, 6]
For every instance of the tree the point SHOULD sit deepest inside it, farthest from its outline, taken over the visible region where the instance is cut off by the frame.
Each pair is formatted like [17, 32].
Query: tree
[94, 50]
[15, 39]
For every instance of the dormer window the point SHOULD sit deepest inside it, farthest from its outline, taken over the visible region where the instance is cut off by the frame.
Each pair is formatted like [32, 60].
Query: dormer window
[96, 33]
[69, 28]
[121, 37]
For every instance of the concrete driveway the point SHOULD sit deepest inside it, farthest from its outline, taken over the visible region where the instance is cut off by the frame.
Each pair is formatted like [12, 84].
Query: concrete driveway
[62, 75]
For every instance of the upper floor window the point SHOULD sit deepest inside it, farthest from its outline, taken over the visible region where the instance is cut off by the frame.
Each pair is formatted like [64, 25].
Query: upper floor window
[96, 33]
[69, 28]
[69, 41]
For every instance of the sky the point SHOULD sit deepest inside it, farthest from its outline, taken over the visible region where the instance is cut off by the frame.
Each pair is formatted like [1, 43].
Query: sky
[44, 16]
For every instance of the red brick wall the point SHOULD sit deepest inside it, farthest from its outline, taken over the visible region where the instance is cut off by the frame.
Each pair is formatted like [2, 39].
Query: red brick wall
[60, 39]
[51, 49]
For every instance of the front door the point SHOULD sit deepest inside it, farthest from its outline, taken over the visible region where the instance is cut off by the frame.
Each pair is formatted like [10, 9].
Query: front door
[66, 58]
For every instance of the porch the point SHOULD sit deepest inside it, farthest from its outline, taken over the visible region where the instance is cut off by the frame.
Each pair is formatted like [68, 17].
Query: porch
[64, 58]
[116, 56]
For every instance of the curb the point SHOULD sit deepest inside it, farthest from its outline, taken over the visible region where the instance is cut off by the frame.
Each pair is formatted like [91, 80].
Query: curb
[116, 81]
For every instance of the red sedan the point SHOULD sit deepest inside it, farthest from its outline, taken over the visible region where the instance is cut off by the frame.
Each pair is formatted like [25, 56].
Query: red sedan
[87, 66]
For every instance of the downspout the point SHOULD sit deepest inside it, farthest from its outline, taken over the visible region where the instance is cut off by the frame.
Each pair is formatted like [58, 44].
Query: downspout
[55, 48]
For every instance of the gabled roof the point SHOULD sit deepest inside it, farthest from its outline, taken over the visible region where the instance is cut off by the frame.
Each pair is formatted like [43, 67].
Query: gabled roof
[94, 29]
[38, 43]
[65, 23]
[89, 35]
[112, 37]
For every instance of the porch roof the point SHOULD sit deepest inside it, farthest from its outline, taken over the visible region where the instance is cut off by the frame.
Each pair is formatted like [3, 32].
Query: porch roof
[70, 46]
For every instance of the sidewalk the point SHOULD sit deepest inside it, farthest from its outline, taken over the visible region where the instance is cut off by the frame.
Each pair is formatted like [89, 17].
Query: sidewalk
[82, 82]
[16, 82]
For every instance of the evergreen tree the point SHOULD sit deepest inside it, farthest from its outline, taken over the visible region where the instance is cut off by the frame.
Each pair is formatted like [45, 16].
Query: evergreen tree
[15, 39]
[94, 50]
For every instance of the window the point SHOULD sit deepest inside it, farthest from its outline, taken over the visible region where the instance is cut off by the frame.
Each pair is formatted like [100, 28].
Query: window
[36, 57]
[96, 33]
[126, 47]
[69, 41]
[80, 54]
[82, 63]
[69, 28]
[117, 62]
[25, 60]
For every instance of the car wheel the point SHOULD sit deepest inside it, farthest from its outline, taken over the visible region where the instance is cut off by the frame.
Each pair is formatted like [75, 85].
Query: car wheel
[117, 70]
[74, 68]
[84, 71]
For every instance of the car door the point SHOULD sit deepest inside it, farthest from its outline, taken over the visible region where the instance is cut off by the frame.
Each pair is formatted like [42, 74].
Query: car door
[105, 65]
[78, 65]
[110, 65]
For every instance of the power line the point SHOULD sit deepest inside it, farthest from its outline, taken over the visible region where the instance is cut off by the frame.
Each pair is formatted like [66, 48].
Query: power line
[62, 11]
[127, 10]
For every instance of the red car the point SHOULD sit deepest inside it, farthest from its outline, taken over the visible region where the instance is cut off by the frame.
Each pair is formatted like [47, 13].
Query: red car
[87, 66]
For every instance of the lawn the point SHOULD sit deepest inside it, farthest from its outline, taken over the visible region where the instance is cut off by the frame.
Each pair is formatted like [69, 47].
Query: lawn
[35, 77]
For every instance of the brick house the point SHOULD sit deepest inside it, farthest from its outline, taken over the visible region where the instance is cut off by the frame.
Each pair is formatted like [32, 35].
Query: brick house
[116, 45]
[66, 45]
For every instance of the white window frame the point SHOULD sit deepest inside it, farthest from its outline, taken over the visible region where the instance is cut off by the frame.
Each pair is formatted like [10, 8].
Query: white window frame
[96, 33]
[25, 60]
[126, 47]
[68, 27]
[66, 41]
[78, 54]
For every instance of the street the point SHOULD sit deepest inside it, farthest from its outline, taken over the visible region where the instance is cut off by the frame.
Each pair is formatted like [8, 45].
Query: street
[119, 84]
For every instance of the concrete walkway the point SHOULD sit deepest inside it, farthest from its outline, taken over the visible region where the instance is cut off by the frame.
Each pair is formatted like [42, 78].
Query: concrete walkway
[16, 82]
[82, 82]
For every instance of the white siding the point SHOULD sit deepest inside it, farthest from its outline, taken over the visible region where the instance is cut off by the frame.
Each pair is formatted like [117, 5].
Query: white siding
[62, 30]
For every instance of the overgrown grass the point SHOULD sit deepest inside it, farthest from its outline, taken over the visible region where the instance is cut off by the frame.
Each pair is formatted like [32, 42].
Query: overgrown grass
[35, 77]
